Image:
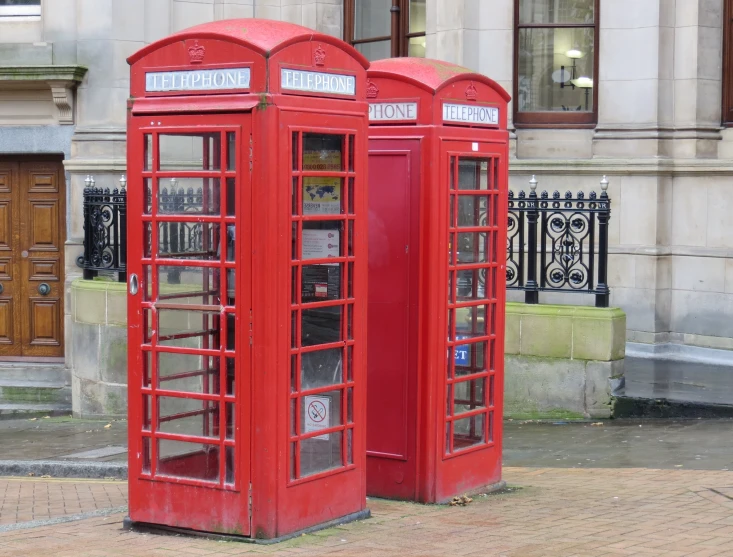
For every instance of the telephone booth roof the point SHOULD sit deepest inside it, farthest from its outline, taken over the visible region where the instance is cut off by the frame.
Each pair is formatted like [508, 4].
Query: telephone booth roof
[260, 47]
[432, 84]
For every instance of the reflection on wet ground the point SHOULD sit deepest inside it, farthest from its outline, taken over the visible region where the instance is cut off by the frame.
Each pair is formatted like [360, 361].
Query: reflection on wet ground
[683, 444]
[678, 381]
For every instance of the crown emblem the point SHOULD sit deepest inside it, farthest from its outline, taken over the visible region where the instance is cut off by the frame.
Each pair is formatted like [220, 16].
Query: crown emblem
[196, 53]
[319, 56]
[471, 92]
[372, 91]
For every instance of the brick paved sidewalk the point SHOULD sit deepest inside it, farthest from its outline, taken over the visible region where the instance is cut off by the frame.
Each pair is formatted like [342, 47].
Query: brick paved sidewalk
[556, 513]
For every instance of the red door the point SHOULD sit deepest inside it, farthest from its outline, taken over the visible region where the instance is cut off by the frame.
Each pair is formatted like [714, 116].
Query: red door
[189, 307]
[475, 196]
[394, 196]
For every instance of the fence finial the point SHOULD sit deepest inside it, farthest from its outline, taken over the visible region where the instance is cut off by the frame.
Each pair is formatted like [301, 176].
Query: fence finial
[604, 183]
[88, 181]
[533, 183]
[123, 182]
[174, 183]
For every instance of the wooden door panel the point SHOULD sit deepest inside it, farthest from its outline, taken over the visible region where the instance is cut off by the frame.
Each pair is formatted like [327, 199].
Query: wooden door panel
[41, 260]
[10, 282]
[43, 225]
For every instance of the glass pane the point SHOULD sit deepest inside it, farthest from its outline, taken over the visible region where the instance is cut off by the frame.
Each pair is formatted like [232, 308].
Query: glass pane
[470, 358]
[185, 416]
[148, 196]
[556, 11]
[321, 326]
[469, 395]
[472, 210]
[417, 16]
[349, 446]
[322, 196]
[471, 322]
[183, 196]
[147, 283]
[148, 152]
[231, 376]
[190, 152]
[230, 465]
[372, 18]
[320, 283]
[147, 368]
[231, 420]
[190, 329]
[321, 453]
[555, 70]
[189, 285]
[147, 412]
[468, 432]
[416, 47]
[473, 247]
[375, 51]
[146, 455]
[231, 197]
[189, 240]
[323, 152]
[188, 460]
[294, 150]
[231, 151]
[320, 369]
[188, 373]
[471, 285]
[472, 174]
[322, 239]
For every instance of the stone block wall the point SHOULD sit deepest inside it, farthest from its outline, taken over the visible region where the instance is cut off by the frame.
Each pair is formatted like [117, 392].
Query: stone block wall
[562, 361]
[99, 349]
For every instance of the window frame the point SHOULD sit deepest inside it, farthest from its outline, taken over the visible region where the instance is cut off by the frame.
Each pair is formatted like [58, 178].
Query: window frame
[557, 119]
[399, 37]
[20, 12]
[727, 70]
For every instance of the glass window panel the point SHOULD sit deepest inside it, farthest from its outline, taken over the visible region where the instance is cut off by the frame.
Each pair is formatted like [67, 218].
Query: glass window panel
[352, 141]
[296, 182]
[323, 152]
[148, 152]
[320, 369]
[190, 152]
[147, 368]
[146, 455]
[231, 151]
[188, 196]
[186, 416]
[471, 322]
[189, 240]
[378, 50]
[449, 400]
[147, 196]
[321, 326]
[468, 432]
[189, 285]
[491, 391]
[294, 149]
[417, 16]
[322, 195]
[319, 455]
[293, 456]
[473, 174]
[188, 460]
[416, 47]
[350, 405]
[321, 283]
[556, 70]
[471, 285]
[294, 329]
[469, 395]
[472, 210]
[147, 412]
[473, 247]
[351, 196]
[349, 446]
[351, 281]
[231, 197]
[372, 18]
[293, 414]
[231, 332]
[350, 362]
[190, 329]
[147, 238]
[147, 326]
[231, 420]
[230, 465]
[147, 283]
[188, 373]
[556, 11]
[231, 376]
[470, 358]
[322, 239]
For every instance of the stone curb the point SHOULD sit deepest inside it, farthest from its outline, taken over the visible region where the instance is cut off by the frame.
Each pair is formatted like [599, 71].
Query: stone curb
[64, 469]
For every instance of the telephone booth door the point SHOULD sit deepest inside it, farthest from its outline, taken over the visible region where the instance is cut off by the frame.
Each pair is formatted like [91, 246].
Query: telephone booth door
[189, 305]
[473, 380]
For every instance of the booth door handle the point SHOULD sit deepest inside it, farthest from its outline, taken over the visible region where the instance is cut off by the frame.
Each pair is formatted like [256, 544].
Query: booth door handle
[44, 289]
[133, 284]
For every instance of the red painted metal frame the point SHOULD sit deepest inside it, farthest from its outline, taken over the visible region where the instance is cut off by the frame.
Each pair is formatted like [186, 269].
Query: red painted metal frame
[443, 470]
[264, 501]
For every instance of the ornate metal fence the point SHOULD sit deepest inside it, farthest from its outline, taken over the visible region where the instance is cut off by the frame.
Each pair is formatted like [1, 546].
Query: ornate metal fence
[105, 231]
[571, 243]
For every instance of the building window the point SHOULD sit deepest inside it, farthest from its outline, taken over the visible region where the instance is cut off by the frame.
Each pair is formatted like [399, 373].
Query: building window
[385, 28]
[556, 63]
[20, 9]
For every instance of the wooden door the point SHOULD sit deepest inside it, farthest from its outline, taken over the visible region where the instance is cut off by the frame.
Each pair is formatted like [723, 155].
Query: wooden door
[32, 235]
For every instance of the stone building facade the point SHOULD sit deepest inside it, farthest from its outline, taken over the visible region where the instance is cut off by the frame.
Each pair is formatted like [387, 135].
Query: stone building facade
[649, 116]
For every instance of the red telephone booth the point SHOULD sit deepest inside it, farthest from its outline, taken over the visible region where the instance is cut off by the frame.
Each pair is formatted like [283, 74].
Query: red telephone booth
[438, 174]
[247, 152]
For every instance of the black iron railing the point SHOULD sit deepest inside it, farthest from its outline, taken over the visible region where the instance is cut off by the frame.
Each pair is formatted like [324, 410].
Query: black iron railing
[105, 231]
[559, 243]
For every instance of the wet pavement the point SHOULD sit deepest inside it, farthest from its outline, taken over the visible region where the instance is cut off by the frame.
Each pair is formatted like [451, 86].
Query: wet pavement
[694, 444]
[679, 381]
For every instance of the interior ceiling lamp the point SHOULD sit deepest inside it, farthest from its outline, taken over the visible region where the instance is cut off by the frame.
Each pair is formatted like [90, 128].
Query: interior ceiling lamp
[563, 75]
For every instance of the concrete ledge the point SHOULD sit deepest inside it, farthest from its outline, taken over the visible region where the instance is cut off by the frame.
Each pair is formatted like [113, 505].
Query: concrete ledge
[63, 469]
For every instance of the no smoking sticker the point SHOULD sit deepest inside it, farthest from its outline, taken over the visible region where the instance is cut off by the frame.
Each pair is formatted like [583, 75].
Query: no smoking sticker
[317, 414]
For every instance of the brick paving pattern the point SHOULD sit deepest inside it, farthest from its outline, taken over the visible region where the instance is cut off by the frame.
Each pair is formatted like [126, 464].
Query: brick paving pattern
[29, 499]
[554, 513]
